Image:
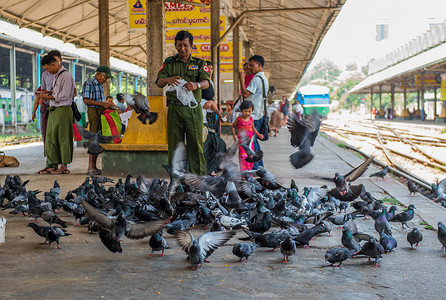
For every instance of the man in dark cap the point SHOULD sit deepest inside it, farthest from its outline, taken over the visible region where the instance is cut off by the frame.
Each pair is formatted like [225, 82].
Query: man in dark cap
[93, 94]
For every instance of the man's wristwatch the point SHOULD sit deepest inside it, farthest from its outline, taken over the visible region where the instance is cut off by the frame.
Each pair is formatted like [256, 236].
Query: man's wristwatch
[199, 85]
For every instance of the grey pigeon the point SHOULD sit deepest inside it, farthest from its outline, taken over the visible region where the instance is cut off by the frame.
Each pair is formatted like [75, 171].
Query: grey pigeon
[351, 240]
[405, 216]
[381, 223]
[439, 190]
[338, 255]
[268, 240]
[244, 250]
[95, 139]
[381, 173]
[267, 179]
[414, 237]
[158, 243]
[40, 230]
[54, 235]
[303, 135]
[441, 234]
[287, 248]
[341, 180]
[413, 188]
[247, 145]
[388, 242]
[372, 249]
[200, 249]
[140, 104]
[112, 228]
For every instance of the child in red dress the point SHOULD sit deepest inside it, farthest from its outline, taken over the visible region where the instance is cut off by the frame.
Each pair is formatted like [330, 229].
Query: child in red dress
[245, 123]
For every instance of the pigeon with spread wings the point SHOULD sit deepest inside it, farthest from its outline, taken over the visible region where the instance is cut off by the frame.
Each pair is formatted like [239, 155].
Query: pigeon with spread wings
[303, 135]
[140, 104]
[95, 139]
[112, 228]
[200, 249]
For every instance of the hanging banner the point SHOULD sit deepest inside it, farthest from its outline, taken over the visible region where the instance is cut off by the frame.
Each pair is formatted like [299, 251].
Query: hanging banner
[136, 14]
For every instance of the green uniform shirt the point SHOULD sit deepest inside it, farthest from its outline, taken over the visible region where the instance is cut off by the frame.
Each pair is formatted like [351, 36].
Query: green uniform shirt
[194, 70]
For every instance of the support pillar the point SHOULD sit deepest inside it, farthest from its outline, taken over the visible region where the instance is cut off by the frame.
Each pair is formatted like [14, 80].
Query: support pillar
[421, 108]
[135, 84]
[405, 112]
[155, 44]
[215, 49]
[104, 39]
[435, 103]
[13, 85]
[143, 149]
[119, 82]
[235, 60]
[371, 103]
[246, 46]
[392, 101]
[381, 112]
[126, 83]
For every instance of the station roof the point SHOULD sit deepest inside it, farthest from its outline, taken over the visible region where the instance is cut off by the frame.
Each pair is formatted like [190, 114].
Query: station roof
[288, 39]
[432, 62]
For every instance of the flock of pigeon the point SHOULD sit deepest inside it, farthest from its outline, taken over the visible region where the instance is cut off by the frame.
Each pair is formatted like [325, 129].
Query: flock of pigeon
[251, 200]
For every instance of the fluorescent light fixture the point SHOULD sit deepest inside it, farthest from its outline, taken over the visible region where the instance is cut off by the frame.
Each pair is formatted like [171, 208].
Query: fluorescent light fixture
[228, 81]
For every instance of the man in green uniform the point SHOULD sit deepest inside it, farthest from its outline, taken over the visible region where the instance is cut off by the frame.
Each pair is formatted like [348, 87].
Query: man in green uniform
[182, 120]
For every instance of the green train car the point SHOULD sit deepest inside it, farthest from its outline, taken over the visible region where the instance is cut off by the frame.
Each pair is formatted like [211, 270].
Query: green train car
[24, 105]
[314, 97]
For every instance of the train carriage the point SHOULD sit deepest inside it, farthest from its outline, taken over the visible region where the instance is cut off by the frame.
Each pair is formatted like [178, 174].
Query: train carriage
[314, 97]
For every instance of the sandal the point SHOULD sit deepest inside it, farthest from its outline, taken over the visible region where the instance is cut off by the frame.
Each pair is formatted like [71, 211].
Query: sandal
[61, 171]
[94, 172]
[44, 171]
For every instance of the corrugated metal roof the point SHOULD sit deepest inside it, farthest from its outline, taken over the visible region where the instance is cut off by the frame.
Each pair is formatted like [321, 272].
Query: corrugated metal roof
[287, 40]
[407, 69]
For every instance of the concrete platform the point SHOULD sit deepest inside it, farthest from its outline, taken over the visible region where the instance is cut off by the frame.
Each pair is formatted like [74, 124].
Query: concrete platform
[84, 268]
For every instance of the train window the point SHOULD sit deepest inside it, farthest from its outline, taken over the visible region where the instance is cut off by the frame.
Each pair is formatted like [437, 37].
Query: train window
[9, 106]
[4, 105]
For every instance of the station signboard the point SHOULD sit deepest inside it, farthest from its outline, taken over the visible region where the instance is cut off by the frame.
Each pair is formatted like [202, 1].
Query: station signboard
[429, 79]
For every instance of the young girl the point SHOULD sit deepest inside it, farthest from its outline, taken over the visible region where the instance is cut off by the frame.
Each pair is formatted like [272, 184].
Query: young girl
[245, 123]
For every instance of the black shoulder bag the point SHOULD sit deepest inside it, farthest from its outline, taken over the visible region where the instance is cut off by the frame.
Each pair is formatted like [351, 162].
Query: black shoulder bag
[264, 129]
[76, 114]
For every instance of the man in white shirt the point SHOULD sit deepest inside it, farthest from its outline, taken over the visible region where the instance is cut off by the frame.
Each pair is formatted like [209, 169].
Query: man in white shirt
[254, 92]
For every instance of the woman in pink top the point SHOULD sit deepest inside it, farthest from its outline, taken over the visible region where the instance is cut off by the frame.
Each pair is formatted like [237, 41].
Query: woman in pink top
[245, 123]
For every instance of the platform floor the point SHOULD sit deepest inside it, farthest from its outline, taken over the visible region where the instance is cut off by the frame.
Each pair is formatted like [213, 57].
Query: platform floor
[84, 268]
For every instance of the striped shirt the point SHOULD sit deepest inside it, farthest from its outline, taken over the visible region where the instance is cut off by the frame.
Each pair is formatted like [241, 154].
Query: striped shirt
[93, 90]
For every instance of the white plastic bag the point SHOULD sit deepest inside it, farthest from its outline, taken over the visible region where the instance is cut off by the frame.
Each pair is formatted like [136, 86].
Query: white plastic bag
[186, 97]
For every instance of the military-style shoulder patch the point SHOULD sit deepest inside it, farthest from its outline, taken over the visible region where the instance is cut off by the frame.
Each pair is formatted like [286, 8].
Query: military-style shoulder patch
[162, 67]
[205, 68]
[193, 67]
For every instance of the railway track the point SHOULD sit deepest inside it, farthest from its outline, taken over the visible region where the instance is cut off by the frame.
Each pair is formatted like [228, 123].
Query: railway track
[379, 136]
[21, 141]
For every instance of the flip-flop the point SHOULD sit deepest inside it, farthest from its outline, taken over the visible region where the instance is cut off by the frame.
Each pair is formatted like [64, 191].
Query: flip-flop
[94, 172]
[44, 171]
[60, 171]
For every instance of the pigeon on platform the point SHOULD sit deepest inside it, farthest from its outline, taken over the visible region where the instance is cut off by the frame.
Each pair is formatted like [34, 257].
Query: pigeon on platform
[268, 240]
[54, 235]
[388, 242]
[102, 179]
[441, 235]
[115, 227]
[348, 195]
[391, 213]
[381, 223]
[200, 249]
[50, 217]
[287, 248]
[95, 139]
[405, 216]
[303, 135]
[439, 190]
[244, 250]
[247, 145]
[158, 243]
[381, 173]
[338, 255]
[351, 240]
[414, 237]
[140, 104]
[267, 179]
[413, 188]
[40, 230]
[372, 249]
[341, 180]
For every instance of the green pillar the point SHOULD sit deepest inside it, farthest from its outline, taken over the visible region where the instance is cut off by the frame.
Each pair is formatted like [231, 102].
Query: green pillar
[13, 85]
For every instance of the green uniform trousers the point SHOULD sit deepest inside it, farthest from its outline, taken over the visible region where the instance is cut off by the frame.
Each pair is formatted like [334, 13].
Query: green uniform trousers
[183, 121]
[59, 136]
